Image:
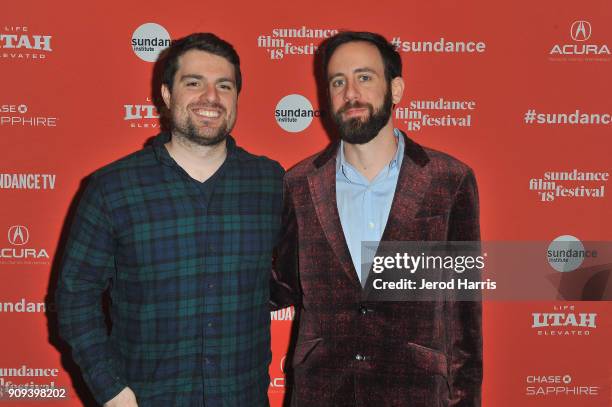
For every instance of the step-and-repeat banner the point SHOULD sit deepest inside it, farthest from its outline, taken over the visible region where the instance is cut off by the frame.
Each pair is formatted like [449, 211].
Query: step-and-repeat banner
[521, 91]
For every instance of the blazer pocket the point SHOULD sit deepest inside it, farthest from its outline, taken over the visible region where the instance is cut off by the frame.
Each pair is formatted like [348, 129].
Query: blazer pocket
[426, 217]
[430, 360]
[304, 349]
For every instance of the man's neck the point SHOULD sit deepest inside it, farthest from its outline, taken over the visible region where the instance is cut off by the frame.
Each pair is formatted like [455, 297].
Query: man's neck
[200, 162]
[370, 158]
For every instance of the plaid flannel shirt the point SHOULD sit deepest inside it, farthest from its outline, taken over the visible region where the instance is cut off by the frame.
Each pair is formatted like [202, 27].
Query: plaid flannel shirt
[188, 273]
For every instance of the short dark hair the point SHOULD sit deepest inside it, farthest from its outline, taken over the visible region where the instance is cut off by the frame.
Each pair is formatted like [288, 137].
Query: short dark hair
[390, 57]
[207, 42]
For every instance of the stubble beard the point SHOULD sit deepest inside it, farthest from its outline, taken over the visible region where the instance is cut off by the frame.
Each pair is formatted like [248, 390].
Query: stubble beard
[205, 136]
[191, 133]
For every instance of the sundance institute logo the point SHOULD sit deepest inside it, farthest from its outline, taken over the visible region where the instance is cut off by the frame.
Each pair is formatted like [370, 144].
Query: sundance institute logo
[149, 40]
[294, 113]
[566, 253]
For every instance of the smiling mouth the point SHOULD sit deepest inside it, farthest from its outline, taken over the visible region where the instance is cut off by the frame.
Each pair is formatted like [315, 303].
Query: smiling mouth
[206, 113]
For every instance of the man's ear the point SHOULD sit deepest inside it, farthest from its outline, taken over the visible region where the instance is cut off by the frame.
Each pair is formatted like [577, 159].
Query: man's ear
[166, 95]
[397, 89]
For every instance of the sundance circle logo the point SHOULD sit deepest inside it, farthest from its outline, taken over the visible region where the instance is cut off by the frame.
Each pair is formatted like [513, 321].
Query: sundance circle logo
[566, 253]
[149, 40]
[294, 113]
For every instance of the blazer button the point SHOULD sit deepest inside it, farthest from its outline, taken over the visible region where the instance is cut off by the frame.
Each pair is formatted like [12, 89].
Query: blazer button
[359, 357]
[364, 310]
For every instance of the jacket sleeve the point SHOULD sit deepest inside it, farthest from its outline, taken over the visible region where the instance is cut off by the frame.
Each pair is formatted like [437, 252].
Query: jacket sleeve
[284, 286]
[86, 270]
[465, 317]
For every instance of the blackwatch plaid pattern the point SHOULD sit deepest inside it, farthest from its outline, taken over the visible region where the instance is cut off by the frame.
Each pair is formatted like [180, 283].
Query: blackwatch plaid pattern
[188, 269]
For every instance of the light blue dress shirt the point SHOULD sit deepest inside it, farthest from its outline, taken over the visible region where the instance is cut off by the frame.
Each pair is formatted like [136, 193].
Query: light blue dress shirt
[364, 206]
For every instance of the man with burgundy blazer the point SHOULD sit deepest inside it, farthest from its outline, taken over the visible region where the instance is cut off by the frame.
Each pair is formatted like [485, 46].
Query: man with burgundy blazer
[375, 184]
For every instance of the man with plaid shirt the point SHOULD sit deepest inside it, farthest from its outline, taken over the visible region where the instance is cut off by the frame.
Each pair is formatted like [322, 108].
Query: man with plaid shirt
[181, 233]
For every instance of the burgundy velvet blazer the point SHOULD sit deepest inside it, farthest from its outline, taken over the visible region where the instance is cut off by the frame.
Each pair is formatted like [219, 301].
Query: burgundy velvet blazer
[351, 352]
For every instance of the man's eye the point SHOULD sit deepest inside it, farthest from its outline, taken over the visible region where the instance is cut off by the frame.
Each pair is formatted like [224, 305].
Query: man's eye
[192, 83]
[337, 82]
[225, 86]
[364, 78]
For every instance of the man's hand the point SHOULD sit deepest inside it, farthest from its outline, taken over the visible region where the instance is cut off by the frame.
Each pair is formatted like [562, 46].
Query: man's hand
[126, 398]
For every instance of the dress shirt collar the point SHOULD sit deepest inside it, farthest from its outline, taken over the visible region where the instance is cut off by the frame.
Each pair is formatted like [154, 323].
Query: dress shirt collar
[343, 167]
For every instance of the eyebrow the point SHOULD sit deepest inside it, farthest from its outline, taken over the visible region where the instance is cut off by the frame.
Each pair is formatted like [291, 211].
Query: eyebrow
[200, 77]
[358, 70]
[191, 76]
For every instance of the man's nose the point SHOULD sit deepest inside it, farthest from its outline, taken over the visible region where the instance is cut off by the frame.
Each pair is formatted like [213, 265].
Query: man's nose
[351, 91]
[210, 93]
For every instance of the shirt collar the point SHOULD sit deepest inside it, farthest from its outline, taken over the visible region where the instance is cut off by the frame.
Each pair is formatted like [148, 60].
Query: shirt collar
[399, 154]
[342, 165]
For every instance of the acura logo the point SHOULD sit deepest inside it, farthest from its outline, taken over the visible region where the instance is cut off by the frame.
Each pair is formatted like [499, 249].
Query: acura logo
[581, 30]
[18, 235]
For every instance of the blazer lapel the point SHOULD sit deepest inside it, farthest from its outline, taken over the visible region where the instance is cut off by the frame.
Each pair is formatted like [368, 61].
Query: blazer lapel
[412, 184]
[322, 185]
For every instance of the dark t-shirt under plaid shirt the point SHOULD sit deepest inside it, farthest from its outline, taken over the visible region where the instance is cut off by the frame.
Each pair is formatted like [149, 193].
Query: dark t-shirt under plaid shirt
[188, 269]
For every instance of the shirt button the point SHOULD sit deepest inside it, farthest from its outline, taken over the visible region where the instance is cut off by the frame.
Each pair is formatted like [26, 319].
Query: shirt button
[210, 324]
[211, 285]
[207, 361]
[359, 357]
[363, 310]
[371, 225]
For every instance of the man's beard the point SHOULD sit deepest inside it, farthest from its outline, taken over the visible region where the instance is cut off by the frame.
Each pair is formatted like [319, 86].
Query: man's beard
[360, 131]
[206, 136]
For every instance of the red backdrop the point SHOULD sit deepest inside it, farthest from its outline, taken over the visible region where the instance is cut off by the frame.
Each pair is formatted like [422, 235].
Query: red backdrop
[75, 96]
